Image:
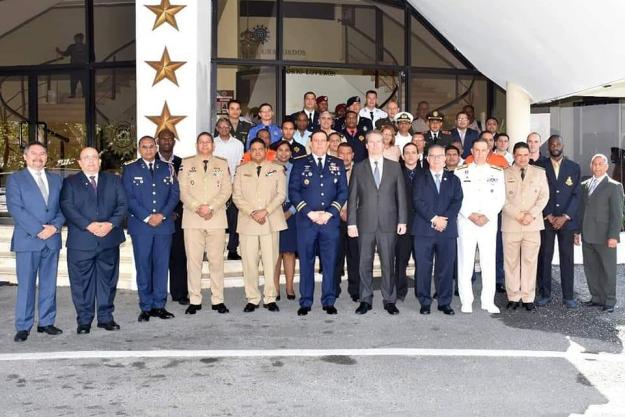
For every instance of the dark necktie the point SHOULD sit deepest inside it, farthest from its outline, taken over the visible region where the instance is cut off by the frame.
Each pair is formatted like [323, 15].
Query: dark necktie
[151, 168]
[411, 175]
[205, 165]
[522, 174]
[371, 113]
[319, 164]
[94, 186]
[258, 171]
[435, 136]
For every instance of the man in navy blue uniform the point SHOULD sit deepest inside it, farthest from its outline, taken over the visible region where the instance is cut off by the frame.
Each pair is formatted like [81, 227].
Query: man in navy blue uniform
[32, 196]
[94, 204]
[318, 190]
[563, 176]
[437, 197]
[152, 192]
[355, 136]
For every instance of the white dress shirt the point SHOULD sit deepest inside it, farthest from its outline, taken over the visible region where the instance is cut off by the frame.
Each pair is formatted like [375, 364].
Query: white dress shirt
[380, 162]
[377, 114]
[402, 140]
[36, 177]
[230, 149]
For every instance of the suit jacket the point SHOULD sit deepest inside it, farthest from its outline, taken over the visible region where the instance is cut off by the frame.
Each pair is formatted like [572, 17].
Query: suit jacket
[410, 210]
[429, 203]
[443, 139]
[149, 194]
[601, 213]
[197, 187]
[531, 195]
[469, 137]
[377, 209]
[254, 192]
[30, 212]
[564, 191]
[81, 207]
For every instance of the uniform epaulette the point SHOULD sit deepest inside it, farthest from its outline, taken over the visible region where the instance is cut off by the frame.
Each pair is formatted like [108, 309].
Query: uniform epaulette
[221, 157]
[539, 167]
[300, 157]
[130, 162]
[463, 166]
[498, 168]
[188, 158]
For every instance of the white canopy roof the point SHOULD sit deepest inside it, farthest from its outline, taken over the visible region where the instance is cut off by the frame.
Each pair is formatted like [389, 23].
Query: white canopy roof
[552, 49]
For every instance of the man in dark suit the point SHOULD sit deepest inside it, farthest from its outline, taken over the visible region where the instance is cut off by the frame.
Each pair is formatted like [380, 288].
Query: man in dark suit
[435, 135]
[600, 222]
[178, 257]
[403, 248]
[348, 246]
[437, 197]
[355, 136]
[310, 109]
[563, 177]
[32, 197]
[94, 204]
[153, 194]
[377, 212]
[464, 134]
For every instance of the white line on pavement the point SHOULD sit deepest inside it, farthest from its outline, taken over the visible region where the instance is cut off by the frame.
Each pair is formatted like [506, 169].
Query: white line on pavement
[407, 352]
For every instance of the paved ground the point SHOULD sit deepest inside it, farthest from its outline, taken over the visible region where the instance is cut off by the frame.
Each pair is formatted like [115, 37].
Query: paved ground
[269, 364]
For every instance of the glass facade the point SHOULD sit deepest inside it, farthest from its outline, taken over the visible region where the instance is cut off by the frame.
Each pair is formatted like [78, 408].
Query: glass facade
[338, 49]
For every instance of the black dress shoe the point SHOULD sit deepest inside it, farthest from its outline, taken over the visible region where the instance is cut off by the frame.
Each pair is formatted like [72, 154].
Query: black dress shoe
[363, 308]
[500, 288]
[51, 330]
[278, 297]
[447, 310]
[330, 309]
[513, 305]
[435, 296]
[83, 329]
[249, 307]
[21, 336]
[220, 308]
[110, 326]
[591, 303]
[355, 298]
[161, 313]
[391, 308]
[184, 301]
[193, 308]
[529, 306]
[271, 307]
[608, 309]
[144, 316]
[233, 256]
[303, 311]
[424, 310]
[290, 296]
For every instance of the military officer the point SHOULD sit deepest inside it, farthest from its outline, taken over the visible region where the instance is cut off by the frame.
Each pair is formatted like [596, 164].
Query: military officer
[371, 110]
[318, 190]
[435, 134]
[153, 194]
[484, 196]
[355, 136]
[259, 191]
[205, 188]
[527, 194]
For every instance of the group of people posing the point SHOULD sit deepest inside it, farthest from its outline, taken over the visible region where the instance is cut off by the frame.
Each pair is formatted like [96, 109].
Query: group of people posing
[283, 193]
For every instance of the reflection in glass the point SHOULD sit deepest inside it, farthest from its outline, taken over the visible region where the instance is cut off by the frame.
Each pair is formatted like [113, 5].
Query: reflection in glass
[13, 121]
[39, 31]
[252, 86]
[118, 44]
[246, 29]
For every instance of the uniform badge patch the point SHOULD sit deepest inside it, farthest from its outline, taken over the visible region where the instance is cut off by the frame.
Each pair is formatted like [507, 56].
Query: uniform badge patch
[569, 181]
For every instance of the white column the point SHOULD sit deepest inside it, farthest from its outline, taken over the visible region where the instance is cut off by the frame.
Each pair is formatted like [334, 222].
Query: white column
[191, 44]
[518, 104]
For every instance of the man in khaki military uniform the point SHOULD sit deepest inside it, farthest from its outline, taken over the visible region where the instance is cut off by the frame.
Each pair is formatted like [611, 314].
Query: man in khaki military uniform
[527, 194]
[205, 188]
[259, 191]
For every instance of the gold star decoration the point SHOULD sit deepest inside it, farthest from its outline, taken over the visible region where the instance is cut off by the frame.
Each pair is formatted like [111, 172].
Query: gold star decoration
[165, 68]
[166, 121]
[165, 13]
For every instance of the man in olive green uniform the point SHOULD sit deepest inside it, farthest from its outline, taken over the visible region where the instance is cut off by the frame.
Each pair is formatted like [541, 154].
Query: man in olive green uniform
[205, 188]
[259, 191]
